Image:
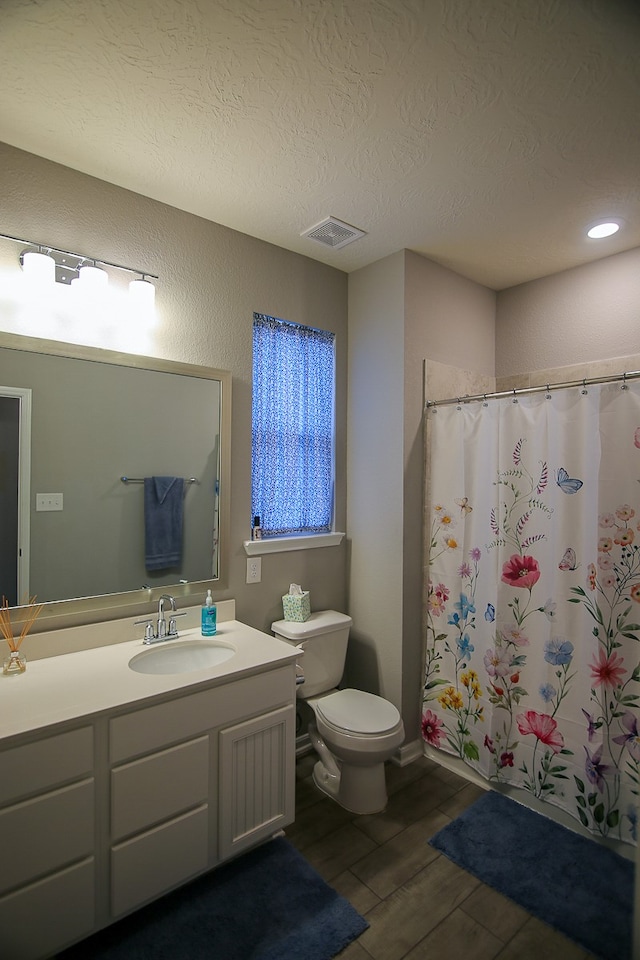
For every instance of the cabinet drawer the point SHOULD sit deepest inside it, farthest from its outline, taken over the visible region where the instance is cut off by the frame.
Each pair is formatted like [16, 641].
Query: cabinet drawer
[46, 833]
[146, 866]
[155, 788]
[47, 763]
[40, 919]
[189, 715]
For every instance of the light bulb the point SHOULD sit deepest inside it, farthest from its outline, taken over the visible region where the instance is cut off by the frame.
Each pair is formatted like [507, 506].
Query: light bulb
[92, 278]
[601, 230]
[39, 267]
[142, 293]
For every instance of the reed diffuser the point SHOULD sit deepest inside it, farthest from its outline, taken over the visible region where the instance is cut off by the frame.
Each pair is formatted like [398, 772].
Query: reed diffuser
[16, 662]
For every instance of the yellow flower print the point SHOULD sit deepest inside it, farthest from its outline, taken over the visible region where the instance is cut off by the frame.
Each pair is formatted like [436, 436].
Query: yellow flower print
[451, 699]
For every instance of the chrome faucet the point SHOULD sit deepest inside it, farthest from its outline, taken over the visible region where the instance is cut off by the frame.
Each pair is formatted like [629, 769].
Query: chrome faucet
[161, 623]
[164, 630]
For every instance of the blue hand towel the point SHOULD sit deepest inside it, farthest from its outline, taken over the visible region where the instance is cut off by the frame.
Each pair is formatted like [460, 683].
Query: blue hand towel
[163, 509]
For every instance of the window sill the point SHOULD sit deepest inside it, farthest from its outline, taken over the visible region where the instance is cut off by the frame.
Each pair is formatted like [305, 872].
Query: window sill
[255, 548]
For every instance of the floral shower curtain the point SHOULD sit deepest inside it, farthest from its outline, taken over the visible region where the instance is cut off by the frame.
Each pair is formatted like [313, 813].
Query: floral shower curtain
[532, 667]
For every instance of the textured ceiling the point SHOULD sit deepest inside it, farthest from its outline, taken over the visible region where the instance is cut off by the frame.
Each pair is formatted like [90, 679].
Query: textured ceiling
[483, 134]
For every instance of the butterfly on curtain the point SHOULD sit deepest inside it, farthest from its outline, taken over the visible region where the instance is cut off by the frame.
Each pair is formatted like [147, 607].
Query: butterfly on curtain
[464, 505]
[490, 613]
[566, 483]
[568, 561]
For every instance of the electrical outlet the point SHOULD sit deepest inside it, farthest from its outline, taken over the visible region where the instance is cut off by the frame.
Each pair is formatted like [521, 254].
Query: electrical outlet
[254, 569]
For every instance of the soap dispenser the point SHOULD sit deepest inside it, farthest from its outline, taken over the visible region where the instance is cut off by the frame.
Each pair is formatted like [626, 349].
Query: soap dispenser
[208, 628]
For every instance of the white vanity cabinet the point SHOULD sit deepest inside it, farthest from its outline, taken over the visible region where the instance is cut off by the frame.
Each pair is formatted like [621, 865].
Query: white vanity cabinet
[101, 816]
[47, 844]
[196, 779]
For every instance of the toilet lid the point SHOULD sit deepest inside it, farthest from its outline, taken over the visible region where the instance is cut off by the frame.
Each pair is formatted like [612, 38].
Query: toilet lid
[358, 711]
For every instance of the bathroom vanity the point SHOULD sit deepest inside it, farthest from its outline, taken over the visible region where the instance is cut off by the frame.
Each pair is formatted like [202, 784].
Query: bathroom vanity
[118, 786]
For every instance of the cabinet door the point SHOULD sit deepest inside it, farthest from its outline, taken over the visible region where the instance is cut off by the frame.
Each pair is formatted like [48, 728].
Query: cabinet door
[46, 833]
[40, 919]
[257, 779]
[158, 787]
[158, 860]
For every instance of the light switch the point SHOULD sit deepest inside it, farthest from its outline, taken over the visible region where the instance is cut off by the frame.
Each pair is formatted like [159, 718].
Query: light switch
[48, 501]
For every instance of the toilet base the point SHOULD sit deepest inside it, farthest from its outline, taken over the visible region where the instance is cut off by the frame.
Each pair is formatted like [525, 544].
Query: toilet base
[360, 790]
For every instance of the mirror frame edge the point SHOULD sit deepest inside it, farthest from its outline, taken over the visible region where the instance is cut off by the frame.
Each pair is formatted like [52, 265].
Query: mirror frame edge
[58, 614]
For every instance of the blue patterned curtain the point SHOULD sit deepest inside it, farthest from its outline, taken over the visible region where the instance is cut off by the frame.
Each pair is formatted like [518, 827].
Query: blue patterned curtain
[292, 433]
[532, 672]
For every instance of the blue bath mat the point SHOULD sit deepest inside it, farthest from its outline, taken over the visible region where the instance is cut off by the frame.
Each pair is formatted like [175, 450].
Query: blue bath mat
[570, 882]
[269, 904]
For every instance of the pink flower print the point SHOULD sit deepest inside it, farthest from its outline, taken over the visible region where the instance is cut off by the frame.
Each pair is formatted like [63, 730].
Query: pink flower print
[591, 578]
[432, 730]
[464, 570]
[506, 759]
[543, 727]
[515, 636]
[631, 739]
[635, 592]
[605, 561]
[521, 571]
[625, 537]
[608, 581]
[636, 437]
[475, 553]
[488, 742]
[607, 670]
[607, 520]
[605, 544]
[497, 662]
[625, 512]
[437, 598]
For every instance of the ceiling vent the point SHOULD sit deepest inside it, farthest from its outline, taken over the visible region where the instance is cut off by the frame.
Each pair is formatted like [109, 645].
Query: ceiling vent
[333, 233]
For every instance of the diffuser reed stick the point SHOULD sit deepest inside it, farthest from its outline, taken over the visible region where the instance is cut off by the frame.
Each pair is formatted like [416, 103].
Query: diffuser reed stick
[5, 622]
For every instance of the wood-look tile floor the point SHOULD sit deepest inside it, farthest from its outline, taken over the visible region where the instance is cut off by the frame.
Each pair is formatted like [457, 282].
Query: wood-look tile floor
[419, 905]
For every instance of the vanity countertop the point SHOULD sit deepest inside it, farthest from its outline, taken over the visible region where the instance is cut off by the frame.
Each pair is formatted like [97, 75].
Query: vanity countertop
[87, 682]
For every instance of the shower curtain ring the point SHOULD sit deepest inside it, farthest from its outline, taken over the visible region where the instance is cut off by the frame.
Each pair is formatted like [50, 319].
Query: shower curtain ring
[515, 399]
[548, 393]
[584, 387]
[624, 381]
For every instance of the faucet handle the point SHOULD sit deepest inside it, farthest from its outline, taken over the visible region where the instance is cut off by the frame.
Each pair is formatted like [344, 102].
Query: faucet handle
[149, 635]
[173, 630]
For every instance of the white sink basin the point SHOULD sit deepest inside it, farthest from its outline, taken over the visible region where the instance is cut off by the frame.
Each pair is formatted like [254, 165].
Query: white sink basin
[184, 656]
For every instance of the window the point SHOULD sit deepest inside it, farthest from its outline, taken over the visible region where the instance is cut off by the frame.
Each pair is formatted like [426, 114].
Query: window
[292, 434]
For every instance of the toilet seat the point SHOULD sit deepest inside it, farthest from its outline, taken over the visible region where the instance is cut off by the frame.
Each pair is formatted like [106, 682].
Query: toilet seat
[360, 713]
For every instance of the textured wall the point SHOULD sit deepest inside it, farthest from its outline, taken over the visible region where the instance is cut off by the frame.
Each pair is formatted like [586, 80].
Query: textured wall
[579, 316]
[212, 279]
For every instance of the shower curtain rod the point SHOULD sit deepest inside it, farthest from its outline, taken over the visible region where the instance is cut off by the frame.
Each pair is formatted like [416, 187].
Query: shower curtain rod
[518, 391]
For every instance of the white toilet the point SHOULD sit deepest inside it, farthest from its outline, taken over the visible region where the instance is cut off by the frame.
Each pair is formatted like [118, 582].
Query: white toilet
[354, 732]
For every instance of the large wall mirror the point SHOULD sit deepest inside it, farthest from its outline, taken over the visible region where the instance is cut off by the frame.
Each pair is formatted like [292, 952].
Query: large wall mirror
[75, 421]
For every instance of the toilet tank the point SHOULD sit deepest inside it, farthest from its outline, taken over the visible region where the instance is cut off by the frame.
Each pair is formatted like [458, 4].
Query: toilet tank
[323, 637]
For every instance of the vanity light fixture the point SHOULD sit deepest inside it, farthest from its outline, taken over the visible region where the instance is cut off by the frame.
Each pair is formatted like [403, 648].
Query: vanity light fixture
[605, 228]
[44, 264]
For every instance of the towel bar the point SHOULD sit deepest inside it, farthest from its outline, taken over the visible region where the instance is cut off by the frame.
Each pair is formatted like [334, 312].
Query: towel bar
[141, 480]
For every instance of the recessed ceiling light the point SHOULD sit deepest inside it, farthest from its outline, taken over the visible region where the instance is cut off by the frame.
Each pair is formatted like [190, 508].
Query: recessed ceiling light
[600, 230]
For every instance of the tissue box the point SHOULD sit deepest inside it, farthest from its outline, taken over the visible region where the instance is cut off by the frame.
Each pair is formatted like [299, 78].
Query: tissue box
[297, 607]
